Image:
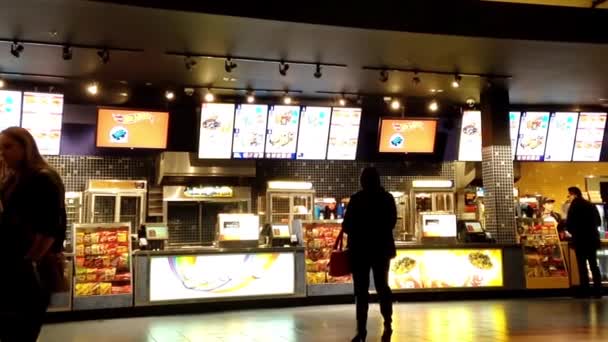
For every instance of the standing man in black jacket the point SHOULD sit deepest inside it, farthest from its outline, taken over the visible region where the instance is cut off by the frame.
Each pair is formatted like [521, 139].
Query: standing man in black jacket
[582, 222]
[370, 218]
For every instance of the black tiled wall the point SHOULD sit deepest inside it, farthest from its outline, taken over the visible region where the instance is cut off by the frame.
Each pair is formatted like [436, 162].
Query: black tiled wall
[498, 183]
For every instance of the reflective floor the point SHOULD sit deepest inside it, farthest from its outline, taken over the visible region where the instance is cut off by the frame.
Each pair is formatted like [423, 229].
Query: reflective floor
[513, 320]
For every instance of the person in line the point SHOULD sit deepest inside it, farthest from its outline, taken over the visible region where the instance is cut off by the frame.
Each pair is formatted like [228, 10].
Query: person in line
[369, 221]
[582, 222]
[33, 228]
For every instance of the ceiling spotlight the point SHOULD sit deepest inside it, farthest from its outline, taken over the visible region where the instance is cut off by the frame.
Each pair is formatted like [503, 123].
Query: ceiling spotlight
[416, 80]
[471, 102]
[395, 104]
[189, 63]
[169, 95]
[104, 56]
[2, 84]
[283, 67]
[66, 53]
[16, 49]
[124, 94]
[433, 106]
[93, 88]
[287, 99]
[250, 97]
[456, 81]
[342, 101]
[229, 65]
[209, 97]
[189, 91]
[318, 73]
[384, 76]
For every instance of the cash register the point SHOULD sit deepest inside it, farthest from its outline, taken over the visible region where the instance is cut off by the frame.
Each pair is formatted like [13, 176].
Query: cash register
[472, 231]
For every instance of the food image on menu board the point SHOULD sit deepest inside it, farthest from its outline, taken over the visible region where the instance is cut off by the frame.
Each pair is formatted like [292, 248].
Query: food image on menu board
[344, 133]
[249, 131]
[314, 131]
[560, 141]
[470, 137]
[532, 136]
[589, 137]
[407, 136]
[282, 132]
[514, 121]
[217, 125]
[10, 108]
[42, 117]
[132, 128]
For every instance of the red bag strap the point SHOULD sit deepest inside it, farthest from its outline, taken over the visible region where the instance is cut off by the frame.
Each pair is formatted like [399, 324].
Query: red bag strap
[339, 241]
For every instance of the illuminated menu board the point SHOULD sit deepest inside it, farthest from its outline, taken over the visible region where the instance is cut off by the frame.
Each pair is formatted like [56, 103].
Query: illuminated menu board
[560, 141]
[589, 137]
[217, 125]
[514, 121]
[344, 133]
[470, 137]
[249, 131]
[532, 136]
[282, 132]
[314, 131]
[42, 117]
[10, 108]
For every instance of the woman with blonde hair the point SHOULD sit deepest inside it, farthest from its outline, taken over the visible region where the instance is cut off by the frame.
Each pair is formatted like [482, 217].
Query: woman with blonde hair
[32, 226]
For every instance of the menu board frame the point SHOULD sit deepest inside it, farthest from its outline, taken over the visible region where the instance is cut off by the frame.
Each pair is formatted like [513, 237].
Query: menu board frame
[268, 142]
[577, 141]
[229, 154]
[331, 126]
[255, 155]
[304, 110]
[412, 119]
[552, 118]
[134, 110]
[544, 137]
[41, 147]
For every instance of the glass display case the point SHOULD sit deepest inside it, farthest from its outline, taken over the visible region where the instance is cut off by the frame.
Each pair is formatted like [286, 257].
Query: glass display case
[116, 201]
[102, 273]
[73, 209]
[289, 201]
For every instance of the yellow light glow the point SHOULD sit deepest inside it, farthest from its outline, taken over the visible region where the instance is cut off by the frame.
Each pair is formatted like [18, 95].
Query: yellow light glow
[432, 183]
[289, 185]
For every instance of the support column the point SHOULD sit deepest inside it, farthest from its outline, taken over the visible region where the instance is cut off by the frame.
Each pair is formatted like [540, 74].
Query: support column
[497, 163]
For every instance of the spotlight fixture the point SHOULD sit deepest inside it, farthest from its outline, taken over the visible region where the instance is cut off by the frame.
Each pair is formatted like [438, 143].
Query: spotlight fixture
[395, 104]
[169, 95]
[287, 99]
[318, 73]
[416, 80]
[124, 94]
[250, 97]
[66, 53]
[229, 65]
[456, 81]
[189, 91]
[104, 56]
[471, 102]
[209, 97]
[283, 67]
[189, 63]
[17, 49]
[384, 76]
[342, 101]
[93, 88]
[2, 84]
[433, 106]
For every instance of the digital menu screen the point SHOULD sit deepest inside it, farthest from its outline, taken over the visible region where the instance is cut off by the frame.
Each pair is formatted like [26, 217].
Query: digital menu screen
[249, 131]
[132, 128]
[589, 137]
[10, 108]
[560, 141]
[344, 133]
[282, 132]
[42, 117]
[217, 126]
[470, 137]
[514, 121]
[532, 136]
[407, 136]
[314, 132]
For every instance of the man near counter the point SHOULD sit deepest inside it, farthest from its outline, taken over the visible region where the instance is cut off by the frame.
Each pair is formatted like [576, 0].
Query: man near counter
[582, 222]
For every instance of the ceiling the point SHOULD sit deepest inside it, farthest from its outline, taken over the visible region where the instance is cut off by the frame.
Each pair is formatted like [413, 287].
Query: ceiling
[543, 72]
[567, 3]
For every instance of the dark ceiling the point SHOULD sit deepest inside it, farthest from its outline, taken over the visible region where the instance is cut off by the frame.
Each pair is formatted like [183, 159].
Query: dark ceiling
[543, 72]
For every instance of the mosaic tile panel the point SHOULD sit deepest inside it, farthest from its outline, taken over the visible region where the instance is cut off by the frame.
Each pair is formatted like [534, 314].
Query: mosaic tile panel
[497, 168]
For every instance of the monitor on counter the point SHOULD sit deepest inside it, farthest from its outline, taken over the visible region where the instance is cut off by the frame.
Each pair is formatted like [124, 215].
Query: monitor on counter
[42, 116]
[249, 136]
[216, 129]
[157, 231]
[120, 128]
[439, 226]
[399, 135]
[344, 133]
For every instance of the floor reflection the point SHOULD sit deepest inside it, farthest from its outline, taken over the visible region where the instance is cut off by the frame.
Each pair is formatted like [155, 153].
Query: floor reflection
[516, 320]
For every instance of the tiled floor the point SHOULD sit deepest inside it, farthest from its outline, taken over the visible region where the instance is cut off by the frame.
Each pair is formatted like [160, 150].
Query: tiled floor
[544, 320]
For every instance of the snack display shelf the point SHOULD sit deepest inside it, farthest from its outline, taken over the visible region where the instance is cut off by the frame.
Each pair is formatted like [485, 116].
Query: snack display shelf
[63, 301]
[103, 275]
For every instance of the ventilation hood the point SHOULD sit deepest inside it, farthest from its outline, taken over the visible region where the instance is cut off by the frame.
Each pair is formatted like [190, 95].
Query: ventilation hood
[184, 168]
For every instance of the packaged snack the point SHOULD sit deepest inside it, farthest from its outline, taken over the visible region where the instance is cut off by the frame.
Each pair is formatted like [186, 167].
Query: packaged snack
[88, 250]
[111, 237]
[87, 239]
[87, 289]
[121, 289]
[79, 250]
[79, 238]
[95, 249]
[122, 277]
[105, 288]
[80, 261]
[122, 236]
[91, 277]
[106, 261]
[122, 250]
[80, 278]
[95, 238]
[98, 262]
[107, 274]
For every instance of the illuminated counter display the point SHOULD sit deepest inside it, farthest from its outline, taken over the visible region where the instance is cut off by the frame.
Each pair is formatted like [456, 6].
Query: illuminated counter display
[211, 274]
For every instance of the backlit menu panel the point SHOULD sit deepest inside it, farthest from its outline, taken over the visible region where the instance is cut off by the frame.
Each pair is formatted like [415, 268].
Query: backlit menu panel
[470, 137]
[282, 132]
[42, 117]
[314, 132]
[344, 133]
[10, 108]
[589, 137]
[217, 125]
[249, 131]
[514, 120]
[532, 136]
[560, 141]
